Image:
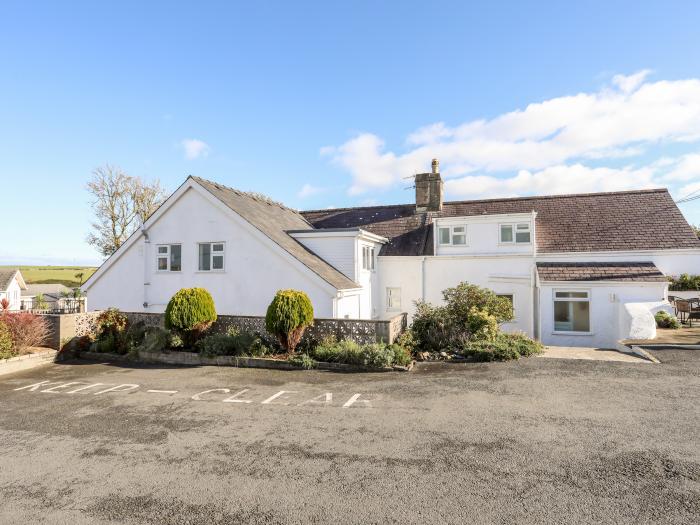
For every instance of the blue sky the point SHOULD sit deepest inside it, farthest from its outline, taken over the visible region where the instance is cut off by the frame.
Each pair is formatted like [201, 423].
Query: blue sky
[332, 103]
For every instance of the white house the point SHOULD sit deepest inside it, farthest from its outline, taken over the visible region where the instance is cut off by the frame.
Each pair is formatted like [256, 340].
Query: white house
[11, 286]
[581, 270]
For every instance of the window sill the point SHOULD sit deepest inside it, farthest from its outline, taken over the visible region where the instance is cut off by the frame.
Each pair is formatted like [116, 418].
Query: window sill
[210, 271]
[573, 333]
[168, 271]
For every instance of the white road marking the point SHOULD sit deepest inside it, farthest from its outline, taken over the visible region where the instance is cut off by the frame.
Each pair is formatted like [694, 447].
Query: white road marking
[33, 387]
[86, 387]
[198, 397]
[126, 387]
[54, 389]
[327, 400]
[234, 397]
[281, 393]
[354, 399]
[279, 398]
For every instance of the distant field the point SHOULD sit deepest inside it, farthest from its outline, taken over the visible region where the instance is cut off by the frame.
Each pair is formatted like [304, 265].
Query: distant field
[54, 274]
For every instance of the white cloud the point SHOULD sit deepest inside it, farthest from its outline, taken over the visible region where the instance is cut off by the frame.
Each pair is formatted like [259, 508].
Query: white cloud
[308, 190]
[684, 168]
[553, 180]
[622, 120]
[195, 148]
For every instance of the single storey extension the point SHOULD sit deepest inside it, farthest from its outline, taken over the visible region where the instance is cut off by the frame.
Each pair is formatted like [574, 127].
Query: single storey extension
[580, 270]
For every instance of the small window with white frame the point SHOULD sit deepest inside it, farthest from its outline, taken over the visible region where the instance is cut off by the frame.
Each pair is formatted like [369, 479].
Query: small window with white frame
[452, 235]
[572, 311]
[368, 258]
[169, 258]
[393, 299]
[211, 256]
[519, 233]
[511, 299]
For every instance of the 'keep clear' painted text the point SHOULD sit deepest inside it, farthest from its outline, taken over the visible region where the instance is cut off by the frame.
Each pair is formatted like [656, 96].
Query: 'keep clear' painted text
[244, 396]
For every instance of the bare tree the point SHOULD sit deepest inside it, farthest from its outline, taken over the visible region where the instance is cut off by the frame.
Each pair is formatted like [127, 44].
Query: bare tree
[121, 204]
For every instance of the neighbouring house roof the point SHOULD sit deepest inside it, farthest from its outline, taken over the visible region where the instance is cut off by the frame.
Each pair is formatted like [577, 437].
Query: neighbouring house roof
[615, 221]
[47, 290]
[275, 220]
[600, 271]
[8, 275]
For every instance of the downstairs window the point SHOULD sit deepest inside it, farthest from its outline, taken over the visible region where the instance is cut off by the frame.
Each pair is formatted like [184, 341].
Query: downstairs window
[572, 311]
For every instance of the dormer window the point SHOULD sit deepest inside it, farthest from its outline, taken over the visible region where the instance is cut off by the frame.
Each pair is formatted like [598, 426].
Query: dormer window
[519, 233]
[452, 235]
[368, 258]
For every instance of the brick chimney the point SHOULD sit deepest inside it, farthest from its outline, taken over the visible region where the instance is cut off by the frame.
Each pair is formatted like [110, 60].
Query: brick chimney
[429, 190]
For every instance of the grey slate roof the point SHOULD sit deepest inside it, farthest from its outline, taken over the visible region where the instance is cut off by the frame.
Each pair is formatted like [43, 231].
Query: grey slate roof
[600, 271]
[6, 276]
[274, 220]
[615, 221]
[48, 290]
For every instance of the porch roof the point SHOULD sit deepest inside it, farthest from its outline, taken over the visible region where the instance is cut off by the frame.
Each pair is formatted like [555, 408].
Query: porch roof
[600, 271]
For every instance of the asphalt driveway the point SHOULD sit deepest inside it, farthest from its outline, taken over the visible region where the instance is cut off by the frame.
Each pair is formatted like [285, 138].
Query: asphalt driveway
[535, 441]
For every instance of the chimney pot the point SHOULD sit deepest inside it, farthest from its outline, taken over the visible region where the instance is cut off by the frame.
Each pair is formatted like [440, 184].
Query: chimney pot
[436, 166]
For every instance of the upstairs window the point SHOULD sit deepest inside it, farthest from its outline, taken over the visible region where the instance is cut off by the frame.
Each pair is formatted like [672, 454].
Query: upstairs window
[211, 256]
[515, 233]
[169, 258]
[368, 258]
[452, 235]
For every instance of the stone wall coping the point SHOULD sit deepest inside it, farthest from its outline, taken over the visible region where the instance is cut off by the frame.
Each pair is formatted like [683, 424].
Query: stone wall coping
[194, 359]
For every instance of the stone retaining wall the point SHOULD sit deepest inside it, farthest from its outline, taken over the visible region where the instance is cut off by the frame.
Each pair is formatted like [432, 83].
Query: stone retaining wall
[26, 361]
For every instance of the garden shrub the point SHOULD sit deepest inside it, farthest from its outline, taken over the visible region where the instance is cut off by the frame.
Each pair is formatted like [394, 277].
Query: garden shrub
[503, 347]
[233, 343]
[666, 320]
[288, 315]
[402, 355]
[302, 361]
[155, 339]
[135, 333]
[27, 330]
[470, 313]
[374, 355]
[190, 312]
[684, 282]
[6, 345]
[111, 332]
[407, 340]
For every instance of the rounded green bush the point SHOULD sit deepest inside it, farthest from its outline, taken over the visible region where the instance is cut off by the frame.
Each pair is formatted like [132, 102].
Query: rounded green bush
[190, 309]
[288, 315]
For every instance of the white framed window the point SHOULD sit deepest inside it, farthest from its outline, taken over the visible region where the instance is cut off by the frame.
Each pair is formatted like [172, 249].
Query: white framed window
[511, 299]
[211, 256]
[519, 233]
[572, 311]
[368, 258]
[169, 257]
[452, 235]
[393, 298]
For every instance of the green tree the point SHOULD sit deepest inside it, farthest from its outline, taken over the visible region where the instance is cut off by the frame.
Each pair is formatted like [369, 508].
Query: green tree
[288, 315]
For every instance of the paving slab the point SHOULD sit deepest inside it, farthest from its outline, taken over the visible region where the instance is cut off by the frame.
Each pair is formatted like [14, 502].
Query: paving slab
[593, 354]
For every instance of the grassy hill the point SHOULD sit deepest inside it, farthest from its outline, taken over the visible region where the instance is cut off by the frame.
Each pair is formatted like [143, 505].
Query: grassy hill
[65, 275]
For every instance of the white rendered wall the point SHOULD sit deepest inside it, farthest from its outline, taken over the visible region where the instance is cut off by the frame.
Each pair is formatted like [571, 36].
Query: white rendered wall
[605, 304]
[254, 267]
[502, 275]
[483, 235]
[13, 295]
